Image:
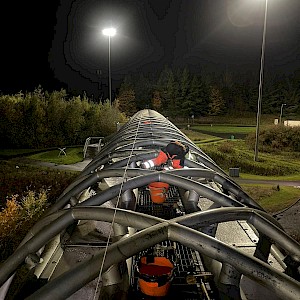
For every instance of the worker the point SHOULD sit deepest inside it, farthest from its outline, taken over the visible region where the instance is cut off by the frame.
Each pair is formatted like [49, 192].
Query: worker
[174, 154]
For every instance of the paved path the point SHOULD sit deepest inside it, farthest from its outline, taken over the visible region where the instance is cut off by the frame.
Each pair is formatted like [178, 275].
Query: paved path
[81, 165]
[73, 167]
[288, 218]
[264, 181]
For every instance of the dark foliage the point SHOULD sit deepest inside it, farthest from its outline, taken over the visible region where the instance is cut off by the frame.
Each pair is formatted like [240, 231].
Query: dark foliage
[17, 179]
[276, 138]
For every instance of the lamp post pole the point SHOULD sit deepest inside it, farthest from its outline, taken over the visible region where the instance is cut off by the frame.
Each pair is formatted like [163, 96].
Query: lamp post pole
[109, 32]
[282, 105]
[262, 59]
[109, 70]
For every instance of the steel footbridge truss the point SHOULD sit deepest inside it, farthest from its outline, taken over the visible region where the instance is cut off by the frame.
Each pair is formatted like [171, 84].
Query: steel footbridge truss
[90, 243]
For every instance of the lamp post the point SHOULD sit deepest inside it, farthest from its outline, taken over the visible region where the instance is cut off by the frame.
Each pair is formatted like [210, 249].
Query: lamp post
[282, 105]
[262, 59]
[109, 32]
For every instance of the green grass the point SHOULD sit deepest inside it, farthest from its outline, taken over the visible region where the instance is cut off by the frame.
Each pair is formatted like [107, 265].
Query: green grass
[235, 154]
[294, 177]
[243, 118]
[270, 198]
[267, 195]
[225, 129]
[12, 152]
[74, 155]
[199, 137]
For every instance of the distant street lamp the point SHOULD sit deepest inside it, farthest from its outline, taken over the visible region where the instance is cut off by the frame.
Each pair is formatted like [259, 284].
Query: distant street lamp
[109, 32]
[282, 105]
[262, 59]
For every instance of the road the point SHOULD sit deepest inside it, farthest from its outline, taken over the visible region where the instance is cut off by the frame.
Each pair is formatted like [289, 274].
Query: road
[264, 181]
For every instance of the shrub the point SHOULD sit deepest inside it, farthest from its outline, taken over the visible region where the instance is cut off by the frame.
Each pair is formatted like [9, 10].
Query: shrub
[242, 160]
[10, 217]
[17, 218]
[34, 204]
[226, 147]
[15, 180]
[42, 120]
[276, 138]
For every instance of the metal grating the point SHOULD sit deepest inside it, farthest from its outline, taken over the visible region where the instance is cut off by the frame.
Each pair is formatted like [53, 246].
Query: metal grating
[191, 281]
[170, 209]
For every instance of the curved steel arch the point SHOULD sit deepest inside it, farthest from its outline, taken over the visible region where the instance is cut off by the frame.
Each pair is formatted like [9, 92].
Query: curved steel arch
[201, 180]
[68, 283]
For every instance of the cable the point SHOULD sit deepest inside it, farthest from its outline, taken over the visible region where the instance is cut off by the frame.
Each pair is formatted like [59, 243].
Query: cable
[115, 211]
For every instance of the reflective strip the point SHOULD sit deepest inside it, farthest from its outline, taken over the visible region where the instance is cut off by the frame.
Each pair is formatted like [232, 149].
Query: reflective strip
[151, 163]
[148, 164]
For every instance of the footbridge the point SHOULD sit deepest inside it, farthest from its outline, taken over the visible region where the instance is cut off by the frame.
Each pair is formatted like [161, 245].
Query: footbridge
[107, 237]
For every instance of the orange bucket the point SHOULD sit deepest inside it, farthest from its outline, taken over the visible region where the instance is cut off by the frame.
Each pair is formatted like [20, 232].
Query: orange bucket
[155, 277]
[158, 191]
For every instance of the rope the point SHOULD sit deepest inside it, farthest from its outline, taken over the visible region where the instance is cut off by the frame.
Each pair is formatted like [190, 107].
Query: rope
[115, 211]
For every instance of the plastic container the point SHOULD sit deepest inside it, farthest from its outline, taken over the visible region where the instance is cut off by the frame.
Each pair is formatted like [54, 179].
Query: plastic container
[158, 191]
[155, 277]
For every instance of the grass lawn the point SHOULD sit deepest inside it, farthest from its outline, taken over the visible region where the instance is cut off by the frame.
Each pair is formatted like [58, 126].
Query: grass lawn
[270, 197]
[73, 155]
[235, 153]
[12, 152]
[225, 128]
[267, 195]
[199, 137]
[294, 177]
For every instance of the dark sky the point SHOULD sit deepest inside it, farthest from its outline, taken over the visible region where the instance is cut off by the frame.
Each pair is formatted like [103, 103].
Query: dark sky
[58, 43]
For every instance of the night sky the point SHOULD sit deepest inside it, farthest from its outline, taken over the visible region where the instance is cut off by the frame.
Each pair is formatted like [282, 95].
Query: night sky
[59, 43]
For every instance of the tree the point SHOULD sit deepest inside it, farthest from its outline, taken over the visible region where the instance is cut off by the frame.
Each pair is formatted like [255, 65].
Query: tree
[143, 91]
[156, 101]
[216, 104]
[198, 97]
[11, 120]
[55, 116]
[34, 111]
[168, 88]
[74, 121]
[126, 102]
[183, 91]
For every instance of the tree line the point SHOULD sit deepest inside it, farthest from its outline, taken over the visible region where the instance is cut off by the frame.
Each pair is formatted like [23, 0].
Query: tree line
[178, 92]
[44, 119]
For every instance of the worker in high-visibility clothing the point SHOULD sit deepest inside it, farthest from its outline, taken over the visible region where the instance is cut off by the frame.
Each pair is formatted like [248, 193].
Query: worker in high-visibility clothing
[174, 153]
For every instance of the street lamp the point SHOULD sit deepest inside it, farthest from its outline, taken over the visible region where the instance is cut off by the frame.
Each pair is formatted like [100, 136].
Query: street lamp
[262, 59]
[282, 105]
[109, 32]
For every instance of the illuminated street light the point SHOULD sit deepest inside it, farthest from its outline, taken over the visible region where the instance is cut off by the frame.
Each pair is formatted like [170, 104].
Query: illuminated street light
[282, 105]
[262, 59]
[109, 32]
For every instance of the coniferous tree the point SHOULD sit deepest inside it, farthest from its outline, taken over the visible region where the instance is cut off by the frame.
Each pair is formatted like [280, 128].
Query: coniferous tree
[168, 88]
[216, 104]
[198, 97]
[143, 91]
[126, 102]
[156, 101]
[183, 99]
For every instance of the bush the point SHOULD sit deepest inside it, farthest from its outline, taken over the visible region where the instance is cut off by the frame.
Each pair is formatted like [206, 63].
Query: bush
[276, 138]
[16, 179]
[18, 217]
[25, 192]
[240, 159]
[42, 120]
[226, 147]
